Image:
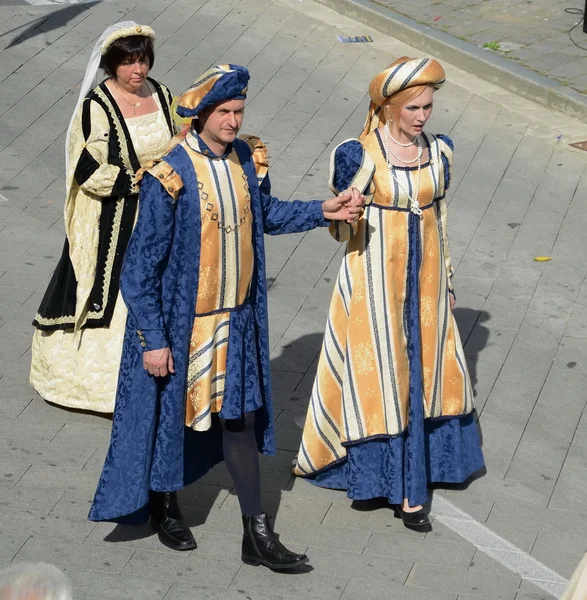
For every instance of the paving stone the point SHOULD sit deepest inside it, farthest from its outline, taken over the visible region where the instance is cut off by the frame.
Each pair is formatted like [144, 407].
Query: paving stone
[10, 545]
[415, 548]
[179, 591]
[368, 515]
[73, 505]
[201, 571]
[286, 508]
[529, 591]
[311, 584]
[325, 536]
[361, 587]
[139, 537]
[570, 489]
[473, 581]
[559, 550]
[340, 563]
[287, 433]
[29, 499]
[301, 488]
[572, 354]
[74, 556]
[111, 587]
[60, 478]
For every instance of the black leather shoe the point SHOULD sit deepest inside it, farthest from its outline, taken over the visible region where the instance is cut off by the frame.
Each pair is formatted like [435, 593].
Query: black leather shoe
[261, 546]
[167, 520]
[418, 520]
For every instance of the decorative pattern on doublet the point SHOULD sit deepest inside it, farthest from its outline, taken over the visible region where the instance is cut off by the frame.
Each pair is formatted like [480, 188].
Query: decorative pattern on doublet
[225, 273]
[365, 380]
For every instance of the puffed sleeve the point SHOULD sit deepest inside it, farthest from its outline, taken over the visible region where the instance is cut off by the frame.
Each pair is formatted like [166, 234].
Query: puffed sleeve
[93, 173]
[260, 160]
[446, 147]
[147, 253]
[350, 166]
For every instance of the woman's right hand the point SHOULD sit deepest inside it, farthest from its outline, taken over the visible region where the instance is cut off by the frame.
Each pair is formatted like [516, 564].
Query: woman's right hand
[158, 362]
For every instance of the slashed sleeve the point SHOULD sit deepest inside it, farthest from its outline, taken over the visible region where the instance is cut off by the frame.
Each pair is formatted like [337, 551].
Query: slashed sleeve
[446, 147]
[93, 173]
[350, 166]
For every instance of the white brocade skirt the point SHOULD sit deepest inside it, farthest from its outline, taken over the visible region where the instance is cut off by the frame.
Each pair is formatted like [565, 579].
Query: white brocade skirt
[80, 372]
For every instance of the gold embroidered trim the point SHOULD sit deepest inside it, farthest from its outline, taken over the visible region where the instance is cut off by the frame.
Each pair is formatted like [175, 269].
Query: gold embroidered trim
[122, 141]
[109, 261]
[99, 313]
[56, 321]
[123, 148]
[96, 314]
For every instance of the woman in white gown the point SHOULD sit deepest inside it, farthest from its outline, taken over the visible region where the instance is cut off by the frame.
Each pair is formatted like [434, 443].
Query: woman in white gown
[117, 128]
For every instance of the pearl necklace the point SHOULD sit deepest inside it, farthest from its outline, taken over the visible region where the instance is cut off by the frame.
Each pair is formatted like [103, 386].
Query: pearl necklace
[414, 205]
[389, 138]
[414, 141]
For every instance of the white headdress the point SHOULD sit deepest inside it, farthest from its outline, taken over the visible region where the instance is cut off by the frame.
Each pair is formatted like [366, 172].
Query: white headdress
[114, 32]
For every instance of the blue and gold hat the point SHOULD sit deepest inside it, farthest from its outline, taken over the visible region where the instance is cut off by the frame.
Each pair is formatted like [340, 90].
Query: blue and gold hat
[220, 83]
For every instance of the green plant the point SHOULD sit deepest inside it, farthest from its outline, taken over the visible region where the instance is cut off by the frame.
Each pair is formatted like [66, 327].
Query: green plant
[491, 45]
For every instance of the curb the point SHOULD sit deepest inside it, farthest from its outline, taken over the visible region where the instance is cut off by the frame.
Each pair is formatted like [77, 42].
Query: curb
[483, 63]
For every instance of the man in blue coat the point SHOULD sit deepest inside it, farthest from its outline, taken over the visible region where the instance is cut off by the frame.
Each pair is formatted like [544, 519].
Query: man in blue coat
[194, 382]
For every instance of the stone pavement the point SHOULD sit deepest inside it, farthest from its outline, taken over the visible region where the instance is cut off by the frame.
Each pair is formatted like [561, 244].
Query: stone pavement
[518, 191]
[535, 33]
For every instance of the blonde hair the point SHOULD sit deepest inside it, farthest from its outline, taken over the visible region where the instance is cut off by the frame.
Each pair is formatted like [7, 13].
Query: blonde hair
[393, 107]
[399, 76]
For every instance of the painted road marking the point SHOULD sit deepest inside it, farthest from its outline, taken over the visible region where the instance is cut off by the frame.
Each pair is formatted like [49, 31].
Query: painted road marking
[510, 556]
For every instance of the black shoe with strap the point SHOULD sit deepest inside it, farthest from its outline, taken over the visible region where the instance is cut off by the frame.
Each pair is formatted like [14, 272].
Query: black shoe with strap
[168, 522]
[262, 547]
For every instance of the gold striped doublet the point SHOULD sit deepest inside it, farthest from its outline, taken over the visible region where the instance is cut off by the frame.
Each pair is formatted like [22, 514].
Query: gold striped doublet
[225, 272]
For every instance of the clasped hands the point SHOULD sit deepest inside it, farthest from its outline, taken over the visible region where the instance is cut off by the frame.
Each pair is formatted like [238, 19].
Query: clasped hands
[347, 206]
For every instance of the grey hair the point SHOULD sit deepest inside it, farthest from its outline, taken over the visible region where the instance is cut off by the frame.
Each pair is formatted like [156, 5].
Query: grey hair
[23, 581]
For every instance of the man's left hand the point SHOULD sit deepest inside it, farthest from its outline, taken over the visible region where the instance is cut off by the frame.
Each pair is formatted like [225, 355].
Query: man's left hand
[347, 206]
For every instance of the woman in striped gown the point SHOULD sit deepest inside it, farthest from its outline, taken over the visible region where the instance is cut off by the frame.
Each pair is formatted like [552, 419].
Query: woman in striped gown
[392, 406]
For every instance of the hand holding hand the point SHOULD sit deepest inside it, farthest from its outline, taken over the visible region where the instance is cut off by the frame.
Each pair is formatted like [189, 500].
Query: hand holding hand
[347, 206]
[158, 362]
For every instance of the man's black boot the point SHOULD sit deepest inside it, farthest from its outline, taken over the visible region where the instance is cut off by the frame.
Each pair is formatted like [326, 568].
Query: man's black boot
[261, 546]
[167, 520]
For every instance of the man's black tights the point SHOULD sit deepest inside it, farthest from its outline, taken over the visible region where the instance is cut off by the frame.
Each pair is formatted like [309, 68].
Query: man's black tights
[242, 459]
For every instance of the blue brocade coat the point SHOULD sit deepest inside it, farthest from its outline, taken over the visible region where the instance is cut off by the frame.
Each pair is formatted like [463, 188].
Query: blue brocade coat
[159, 282]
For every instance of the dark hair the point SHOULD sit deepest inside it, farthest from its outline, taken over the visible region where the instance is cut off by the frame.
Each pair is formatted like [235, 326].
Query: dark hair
[131, 48]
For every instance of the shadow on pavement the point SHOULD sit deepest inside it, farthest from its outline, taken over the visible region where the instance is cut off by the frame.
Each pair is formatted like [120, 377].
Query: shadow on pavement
[48, 22]
[295, 354]
[474, 337]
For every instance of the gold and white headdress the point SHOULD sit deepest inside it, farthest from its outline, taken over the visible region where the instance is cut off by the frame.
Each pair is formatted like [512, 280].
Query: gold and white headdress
[114, 32]
[126, 32]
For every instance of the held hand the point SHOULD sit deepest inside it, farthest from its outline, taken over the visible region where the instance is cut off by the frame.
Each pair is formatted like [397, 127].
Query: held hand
[158, 362]
[347, 206]
[453, 301]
